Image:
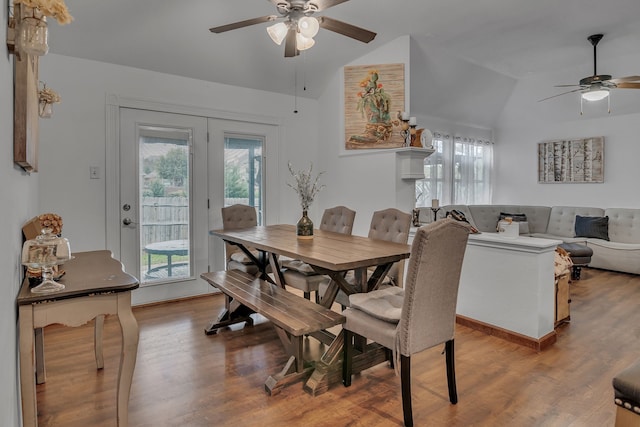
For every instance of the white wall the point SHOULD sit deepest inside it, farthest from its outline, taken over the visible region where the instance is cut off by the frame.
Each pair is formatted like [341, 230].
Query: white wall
[74, 139]
[19, 195]
[363, 180]
[525, 122]
[367, 180]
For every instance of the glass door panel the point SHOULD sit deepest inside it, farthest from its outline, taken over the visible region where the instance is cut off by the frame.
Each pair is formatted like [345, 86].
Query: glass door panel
[243, 172]
[165, 204]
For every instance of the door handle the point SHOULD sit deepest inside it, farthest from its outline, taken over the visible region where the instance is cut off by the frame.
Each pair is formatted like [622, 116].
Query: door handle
[127, 221]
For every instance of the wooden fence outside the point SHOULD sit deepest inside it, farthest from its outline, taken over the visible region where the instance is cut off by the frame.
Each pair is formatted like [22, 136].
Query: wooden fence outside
[167, 218]
[164, 218]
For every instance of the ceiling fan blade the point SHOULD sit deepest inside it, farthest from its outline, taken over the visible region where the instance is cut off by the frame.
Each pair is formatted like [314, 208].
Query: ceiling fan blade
[326, 4]
[242, 24]
[345, 29]
[626, 79]
[290, 48]
[560, 94]
[628, 85]
[567, 86]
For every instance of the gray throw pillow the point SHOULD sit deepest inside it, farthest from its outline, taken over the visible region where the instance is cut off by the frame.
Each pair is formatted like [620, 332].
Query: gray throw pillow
[596, 227]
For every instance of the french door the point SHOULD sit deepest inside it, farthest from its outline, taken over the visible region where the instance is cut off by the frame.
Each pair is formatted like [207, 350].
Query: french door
[241, 170]
[163, 202]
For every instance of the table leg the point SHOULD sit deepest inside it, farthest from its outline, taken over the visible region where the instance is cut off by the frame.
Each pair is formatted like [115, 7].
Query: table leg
[148, 262]
[27, 367]
[41, 373]
[277, 272]
[328, 370]
[232, 313]
[130, 335]
[169, 266]
[294, 370]
[97, 340]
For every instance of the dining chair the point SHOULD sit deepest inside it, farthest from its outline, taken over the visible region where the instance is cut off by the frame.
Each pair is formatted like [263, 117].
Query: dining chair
[391, 225]
[236, 217]
[417, 317]
[301, 275]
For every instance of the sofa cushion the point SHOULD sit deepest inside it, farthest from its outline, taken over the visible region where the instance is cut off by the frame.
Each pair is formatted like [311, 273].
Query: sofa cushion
[615, 256]
[596, 227]
[384, 304]
[299, 266]
[562, 219]
[485, 217]
[624, 225]
[242, 258]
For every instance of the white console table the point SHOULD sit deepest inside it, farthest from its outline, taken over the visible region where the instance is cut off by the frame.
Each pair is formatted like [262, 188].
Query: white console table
[507, 288]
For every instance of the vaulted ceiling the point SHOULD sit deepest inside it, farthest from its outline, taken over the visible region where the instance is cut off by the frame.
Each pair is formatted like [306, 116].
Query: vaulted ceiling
[497, 41]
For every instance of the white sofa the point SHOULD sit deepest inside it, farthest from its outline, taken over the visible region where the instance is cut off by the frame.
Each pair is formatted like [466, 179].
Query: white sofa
[620, 253]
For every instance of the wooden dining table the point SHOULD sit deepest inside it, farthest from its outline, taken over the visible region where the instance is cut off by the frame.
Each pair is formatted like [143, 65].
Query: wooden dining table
[331, 254]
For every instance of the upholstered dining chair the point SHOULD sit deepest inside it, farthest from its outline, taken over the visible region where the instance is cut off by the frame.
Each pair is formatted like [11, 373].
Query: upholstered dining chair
[236, 217]
[391, 225]
[301, 275]
[419, 316]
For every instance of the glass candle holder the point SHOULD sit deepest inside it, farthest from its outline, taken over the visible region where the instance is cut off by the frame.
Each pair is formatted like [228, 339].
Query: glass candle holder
[45, 252]
[32, 33]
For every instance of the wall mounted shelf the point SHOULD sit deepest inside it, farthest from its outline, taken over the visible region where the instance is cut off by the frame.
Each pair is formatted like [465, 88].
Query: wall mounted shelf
[410, 161]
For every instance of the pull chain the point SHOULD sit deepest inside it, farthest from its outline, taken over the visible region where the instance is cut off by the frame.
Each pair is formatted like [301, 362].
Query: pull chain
[295, 90]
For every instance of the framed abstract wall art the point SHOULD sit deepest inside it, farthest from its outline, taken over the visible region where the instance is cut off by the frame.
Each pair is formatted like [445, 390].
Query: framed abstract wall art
[571, 160]
[373, 99]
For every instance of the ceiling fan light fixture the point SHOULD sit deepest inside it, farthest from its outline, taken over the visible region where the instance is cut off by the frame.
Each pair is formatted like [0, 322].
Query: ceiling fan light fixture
[304, 43]
[595, 94]
[278, 32]
[308, 26]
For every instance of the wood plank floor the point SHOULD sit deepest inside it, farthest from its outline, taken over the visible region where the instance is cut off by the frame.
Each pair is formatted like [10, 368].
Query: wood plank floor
[185, 378]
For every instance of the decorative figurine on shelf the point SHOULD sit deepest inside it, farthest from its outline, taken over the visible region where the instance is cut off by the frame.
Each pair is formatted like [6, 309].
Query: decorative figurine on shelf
[307, 188]
[415, 217]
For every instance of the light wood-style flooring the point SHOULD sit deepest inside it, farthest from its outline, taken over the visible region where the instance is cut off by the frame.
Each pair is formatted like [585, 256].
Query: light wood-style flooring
[185, 378]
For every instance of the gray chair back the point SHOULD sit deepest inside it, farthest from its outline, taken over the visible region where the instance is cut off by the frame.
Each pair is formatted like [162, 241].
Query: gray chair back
[431, 287]
[339, 220]
[235, 217]
[391, 225]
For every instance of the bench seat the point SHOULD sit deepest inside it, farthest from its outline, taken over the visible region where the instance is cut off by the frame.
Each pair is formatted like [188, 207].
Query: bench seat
[289, 311]
[292, 315]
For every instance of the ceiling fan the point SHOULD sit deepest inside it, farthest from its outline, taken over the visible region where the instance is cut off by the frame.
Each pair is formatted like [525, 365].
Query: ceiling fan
[596, 87]
[298, 26]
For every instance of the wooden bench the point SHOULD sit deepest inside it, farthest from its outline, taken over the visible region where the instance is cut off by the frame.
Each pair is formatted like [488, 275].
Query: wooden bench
[293, 317]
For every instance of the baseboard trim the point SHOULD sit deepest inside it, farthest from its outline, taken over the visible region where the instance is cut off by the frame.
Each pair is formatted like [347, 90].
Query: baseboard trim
[539, 344]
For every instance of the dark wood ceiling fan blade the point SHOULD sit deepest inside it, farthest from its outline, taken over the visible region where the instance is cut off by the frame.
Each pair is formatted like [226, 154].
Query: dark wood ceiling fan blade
[560, 94]
[345, 29]
[567, 86]
[326, 4]
[242, 24]
[626, 79]
[290, 48]
[628, 85]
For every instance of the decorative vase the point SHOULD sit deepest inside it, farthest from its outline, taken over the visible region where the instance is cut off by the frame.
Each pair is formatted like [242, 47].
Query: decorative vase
[32, 32]
[304, 228]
